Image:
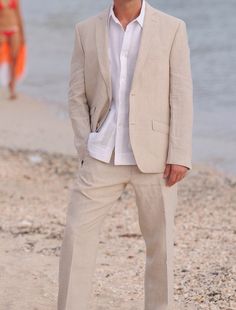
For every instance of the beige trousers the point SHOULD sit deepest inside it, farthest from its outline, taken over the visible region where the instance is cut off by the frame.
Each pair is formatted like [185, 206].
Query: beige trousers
[97, 186]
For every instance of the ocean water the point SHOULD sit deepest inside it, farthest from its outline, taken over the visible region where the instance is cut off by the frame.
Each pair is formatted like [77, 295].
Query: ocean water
[212, 31]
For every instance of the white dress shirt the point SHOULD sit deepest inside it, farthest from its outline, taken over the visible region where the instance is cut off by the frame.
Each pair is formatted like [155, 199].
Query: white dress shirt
[123, 52]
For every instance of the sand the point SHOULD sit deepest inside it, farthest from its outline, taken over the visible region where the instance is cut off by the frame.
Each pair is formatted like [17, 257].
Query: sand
[32, 125]
[37, 165]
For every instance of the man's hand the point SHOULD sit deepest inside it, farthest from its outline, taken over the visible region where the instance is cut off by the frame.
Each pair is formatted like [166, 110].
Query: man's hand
[174, 173]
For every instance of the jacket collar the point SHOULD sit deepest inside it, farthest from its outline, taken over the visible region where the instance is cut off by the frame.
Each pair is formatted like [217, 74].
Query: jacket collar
[150, 30]
[139, 18]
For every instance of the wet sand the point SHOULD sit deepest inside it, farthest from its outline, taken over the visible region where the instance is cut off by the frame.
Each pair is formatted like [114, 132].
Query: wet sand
[29, 124]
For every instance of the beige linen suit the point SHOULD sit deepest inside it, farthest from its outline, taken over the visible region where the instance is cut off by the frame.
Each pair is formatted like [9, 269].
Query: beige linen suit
[160, 126]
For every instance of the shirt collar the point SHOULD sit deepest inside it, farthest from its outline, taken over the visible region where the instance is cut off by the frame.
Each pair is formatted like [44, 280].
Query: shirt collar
[139, 19]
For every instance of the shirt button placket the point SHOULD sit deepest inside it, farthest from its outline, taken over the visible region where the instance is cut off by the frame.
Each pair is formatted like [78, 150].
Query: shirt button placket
[122, 80]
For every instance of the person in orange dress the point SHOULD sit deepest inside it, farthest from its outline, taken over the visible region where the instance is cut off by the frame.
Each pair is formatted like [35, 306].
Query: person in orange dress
[12, 45]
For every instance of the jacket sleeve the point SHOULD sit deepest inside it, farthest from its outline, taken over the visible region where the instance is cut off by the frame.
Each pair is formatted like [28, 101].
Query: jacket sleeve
[77, 101]
[181, 101]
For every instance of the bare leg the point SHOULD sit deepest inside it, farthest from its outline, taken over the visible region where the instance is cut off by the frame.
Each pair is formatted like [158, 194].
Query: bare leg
[14, 43]
[2, 40]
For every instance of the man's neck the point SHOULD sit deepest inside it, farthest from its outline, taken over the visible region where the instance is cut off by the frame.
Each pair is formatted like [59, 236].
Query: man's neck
[127, 10]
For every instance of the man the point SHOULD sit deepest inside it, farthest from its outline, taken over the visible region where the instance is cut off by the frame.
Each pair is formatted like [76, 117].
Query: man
[130, 103]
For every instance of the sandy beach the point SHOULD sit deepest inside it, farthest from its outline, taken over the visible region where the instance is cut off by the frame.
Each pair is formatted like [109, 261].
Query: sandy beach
[37, 165]
[32, 125]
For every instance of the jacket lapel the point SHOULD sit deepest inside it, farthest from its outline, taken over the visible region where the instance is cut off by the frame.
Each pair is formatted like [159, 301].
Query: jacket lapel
[149, 32]
[102, 49]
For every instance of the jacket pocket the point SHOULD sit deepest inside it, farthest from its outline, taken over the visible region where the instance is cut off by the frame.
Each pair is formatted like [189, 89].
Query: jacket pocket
[160, 126]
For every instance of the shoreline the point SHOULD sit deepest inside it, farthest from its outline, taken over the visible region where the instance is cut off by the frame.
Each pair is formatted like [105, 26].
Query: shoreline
[30, 124]
[26, 123]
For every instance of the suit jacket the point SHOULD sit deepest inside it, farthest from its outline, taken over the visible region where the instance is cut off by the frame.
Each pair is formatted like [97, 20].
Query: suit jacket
[161, 101]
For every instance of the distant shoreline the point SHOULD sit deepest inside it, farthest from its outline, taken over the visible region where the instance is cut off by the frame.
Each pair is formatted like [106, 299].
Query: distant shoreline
[34, 125]
[28, 124]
